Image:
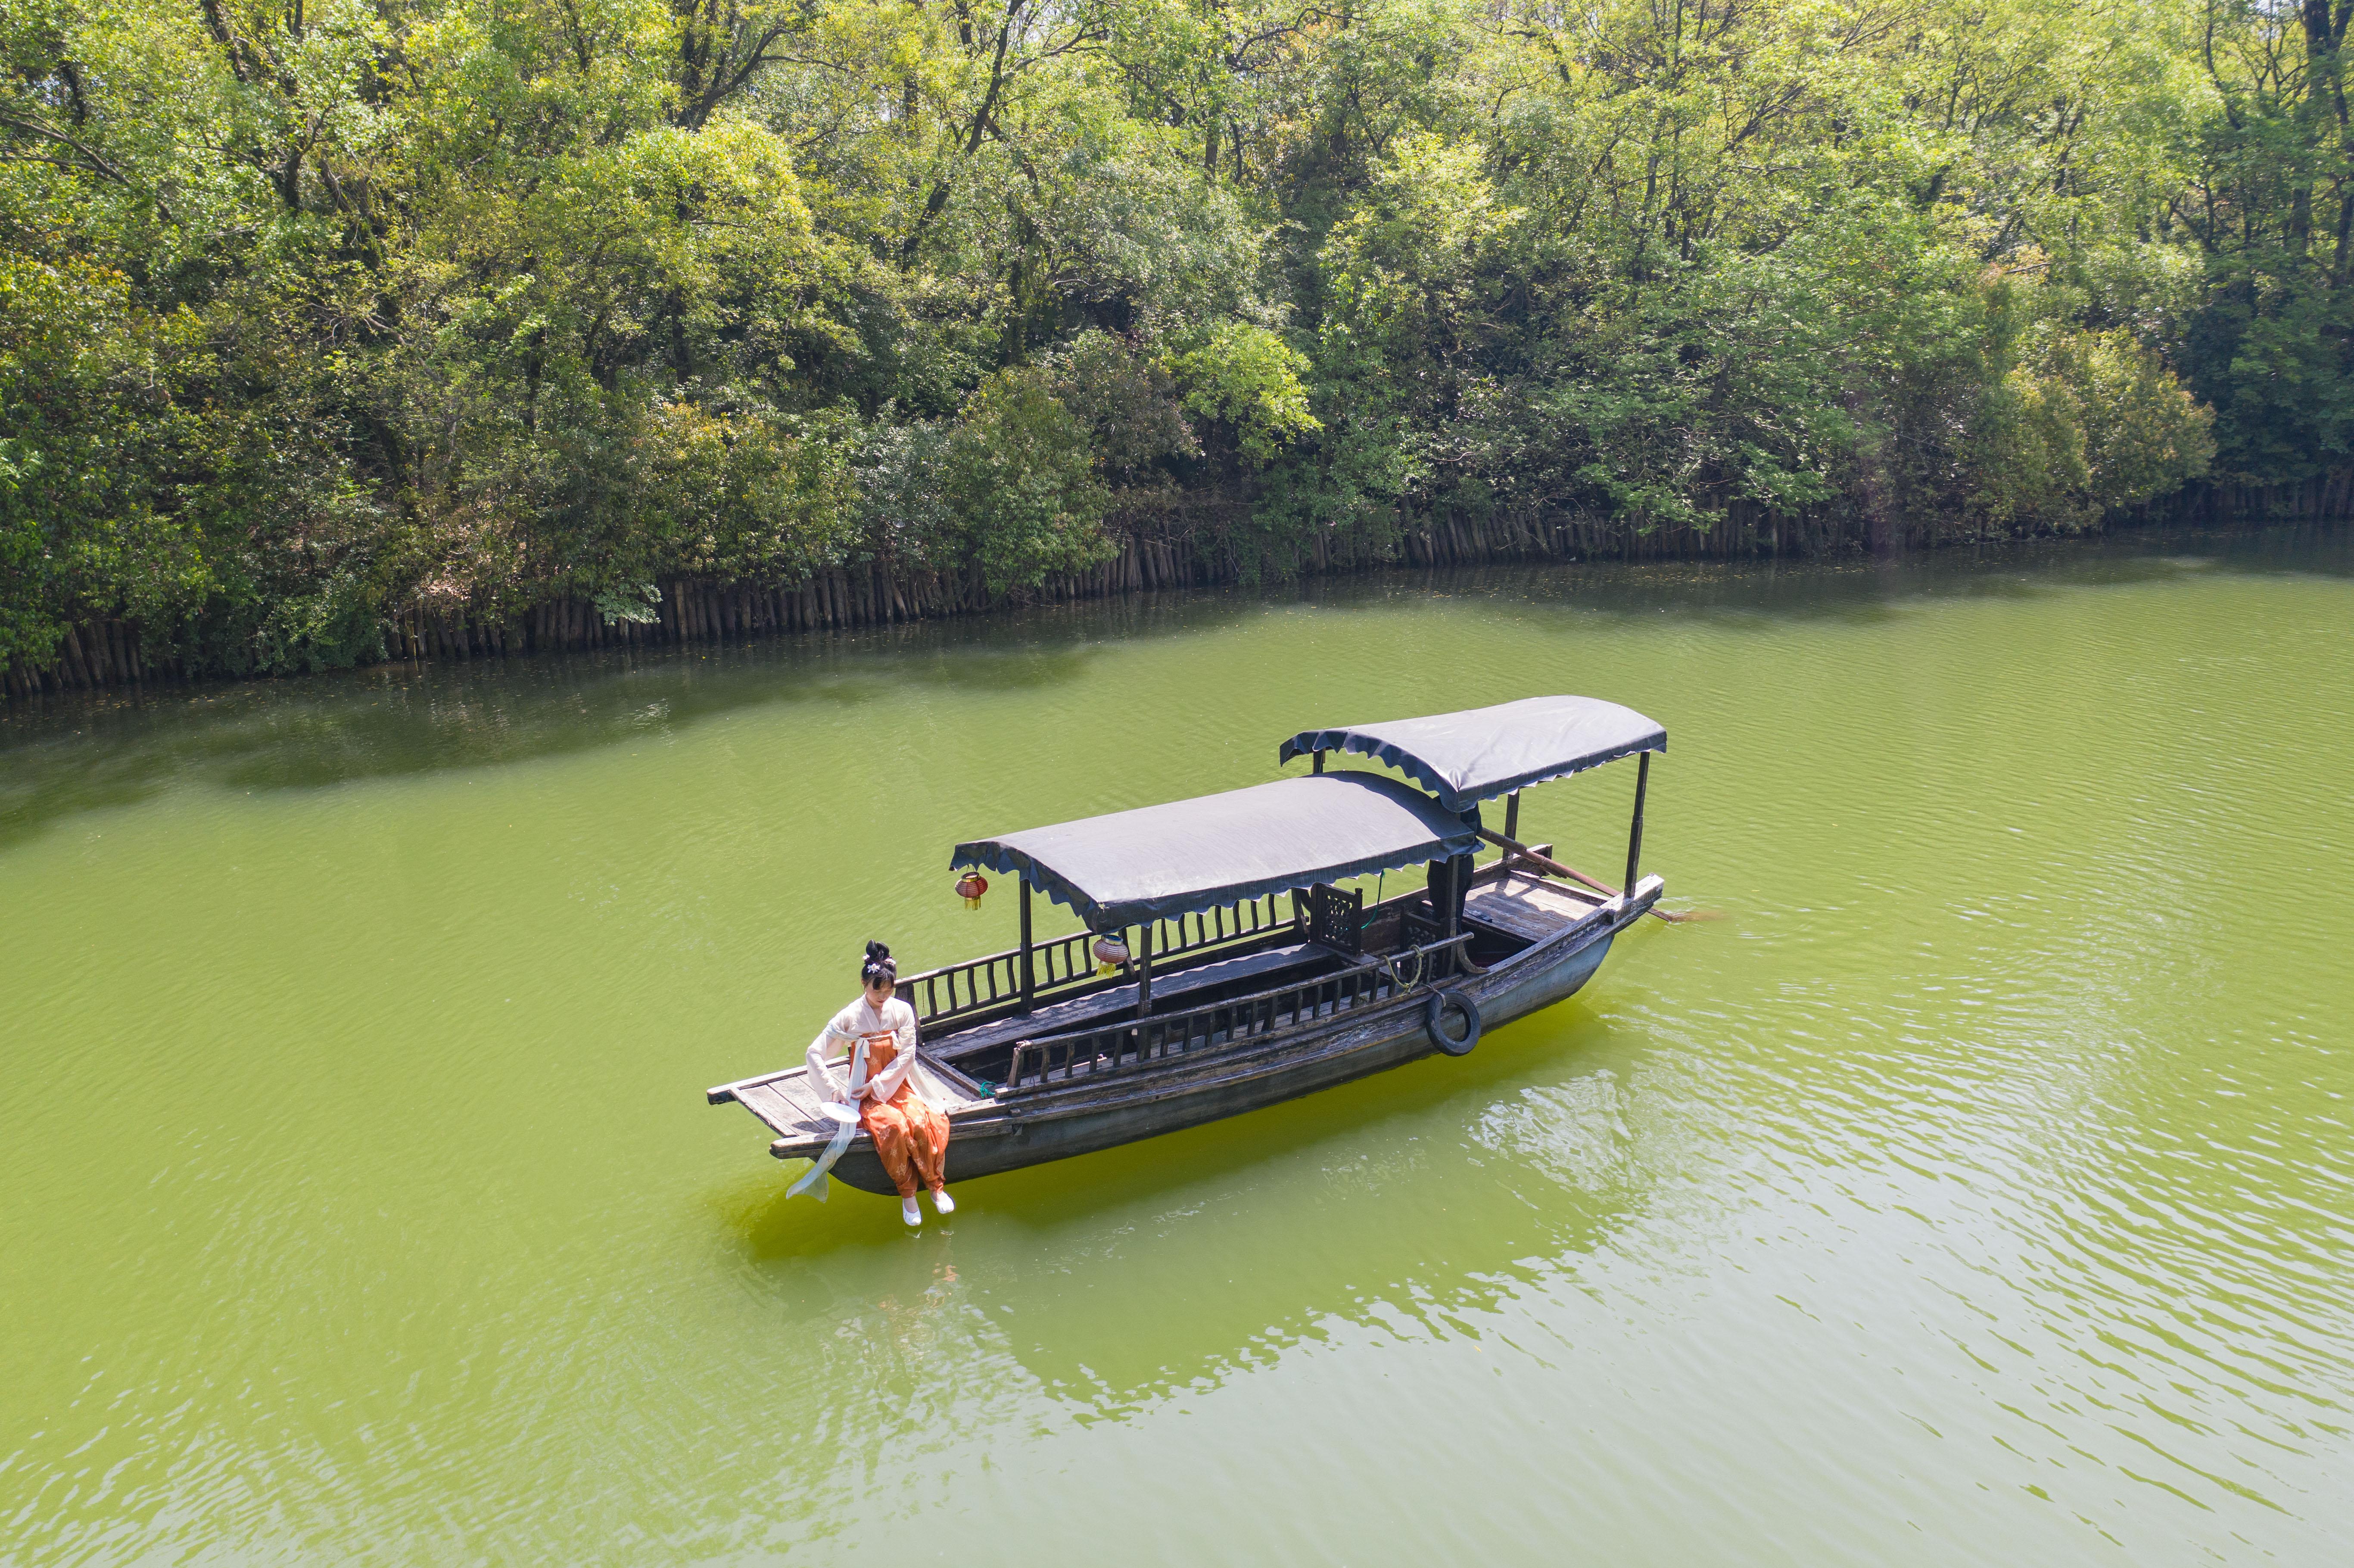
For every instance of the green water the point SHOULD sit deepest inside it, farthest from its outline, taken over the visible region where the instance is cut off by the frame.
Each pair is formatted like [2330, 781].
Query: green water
[1976, 1191]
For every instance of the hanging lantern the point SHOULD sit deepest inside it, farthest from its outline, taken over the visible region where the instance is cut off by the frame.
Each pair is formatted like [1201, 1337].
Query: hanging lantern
[970, 886]
[1110, 953]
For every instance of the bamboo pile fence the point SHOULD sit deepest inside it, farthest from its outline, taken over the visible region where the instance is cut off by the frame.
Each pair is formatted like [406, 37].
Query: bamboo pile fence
[107, 652]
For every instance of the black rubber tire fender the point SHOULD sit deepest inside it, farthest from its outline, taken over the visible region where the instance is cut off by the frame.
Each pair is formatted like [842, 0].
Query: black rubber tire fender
[1433, 1016]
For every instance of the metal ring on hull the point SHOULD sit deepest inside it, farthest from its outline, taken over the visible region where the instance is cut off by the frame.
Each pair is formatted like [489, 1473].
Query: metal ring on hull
[1434, 1019]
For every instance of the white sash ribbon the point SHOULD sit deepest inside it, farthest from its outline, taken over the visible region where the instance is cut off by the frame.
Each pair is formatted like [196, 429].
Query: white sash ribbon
[848, 1130]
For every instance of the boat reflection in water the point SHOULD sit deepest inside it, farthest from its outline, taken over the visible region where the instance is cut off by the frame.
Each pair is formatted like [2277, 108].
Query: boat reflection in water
[1132, 1318]
[1251, 978]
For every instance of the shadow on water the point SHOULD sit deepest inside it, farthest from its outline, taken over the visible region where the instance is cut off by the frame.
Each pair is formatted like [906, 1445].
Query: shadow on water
[1101, 1313]
[91, 752]
[63, 756]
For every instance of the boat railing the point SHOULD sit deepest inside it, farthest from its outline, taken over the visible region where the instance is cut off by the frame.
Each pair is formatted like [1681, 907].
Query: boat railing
[1060, 964]
[1179, 934]
[1125, 1046]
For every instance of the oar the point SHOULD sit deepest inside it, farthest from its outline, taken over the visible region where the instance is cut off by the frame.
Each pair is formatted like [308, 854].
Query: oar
[1673, 916]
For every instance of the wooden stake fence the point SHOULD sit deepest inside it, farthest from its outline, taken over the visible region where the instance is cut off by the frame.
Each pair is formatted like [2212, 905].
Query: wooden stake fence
[106, 652]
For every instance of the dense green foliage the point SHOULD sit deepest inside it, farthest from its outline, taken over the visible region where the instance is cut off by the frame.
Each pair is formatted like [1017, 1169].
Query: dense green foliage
[311, 311]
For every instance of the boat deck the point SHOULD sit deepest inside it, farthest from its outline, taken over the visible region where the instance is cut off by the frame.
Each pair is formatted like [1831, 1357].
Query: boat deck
[786, 1104]
[1524, 904]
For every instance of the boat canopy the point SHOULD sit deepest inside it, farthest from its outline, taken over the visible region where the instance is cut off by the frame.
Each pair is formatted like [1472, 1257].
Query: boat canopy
[1157, 861]
[1481, 753]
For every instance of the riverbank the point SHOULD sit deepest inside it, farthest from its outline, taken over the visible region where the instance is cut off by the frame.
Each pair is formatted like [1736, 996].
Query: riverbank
[692, 611]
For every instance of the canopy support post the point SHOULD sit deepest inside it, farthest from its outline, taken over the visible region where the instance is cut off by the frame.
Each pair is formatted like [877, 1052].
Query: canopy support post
[1635, 831]
[1316, 761]
[1029, 982]
[1513, 815]
[1458, 883]
[1144, 972]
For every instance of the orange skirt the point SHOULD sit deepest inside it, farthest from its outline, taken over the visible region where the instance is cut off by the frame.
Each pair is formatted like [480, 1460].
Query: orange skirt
[910, 1138]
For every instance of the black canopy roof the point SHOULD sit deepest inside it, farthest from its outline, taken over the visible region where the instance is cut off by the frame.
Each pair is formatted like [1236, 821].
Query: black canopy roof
[1481, 753]
[1160, 860]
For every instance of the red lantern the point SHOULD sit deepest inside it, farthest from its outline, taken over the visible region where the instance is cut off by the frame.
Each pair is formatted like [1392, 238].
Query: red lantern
[970, 886]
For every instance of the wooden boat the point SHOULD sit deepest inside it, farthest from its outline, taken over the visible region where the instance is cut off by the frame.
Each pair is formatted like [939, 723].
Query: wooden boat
[1251, 978]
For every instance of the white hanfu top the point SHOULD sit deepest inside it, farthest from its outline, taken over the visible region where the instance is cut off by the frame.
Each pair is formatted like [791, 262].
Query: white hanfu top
[850, 1025]
[843, 1033]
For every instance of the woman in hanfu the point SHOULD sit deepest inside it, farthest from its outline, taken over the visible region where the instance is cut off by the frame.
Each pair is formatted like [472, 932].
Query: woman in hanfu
[866, 1058]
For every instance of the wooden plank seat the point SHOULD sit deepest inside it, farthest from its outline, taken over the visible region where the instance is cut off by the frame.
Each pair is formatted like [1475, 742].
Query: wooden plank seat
[1061, 1017]
[1523, 905]
[788, 1102]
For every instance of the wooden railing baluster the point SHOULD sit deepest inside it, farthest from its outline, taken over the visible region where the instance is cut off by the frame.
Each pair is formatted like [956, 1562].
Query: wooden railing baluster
[1128, 1044]
[1062, 963]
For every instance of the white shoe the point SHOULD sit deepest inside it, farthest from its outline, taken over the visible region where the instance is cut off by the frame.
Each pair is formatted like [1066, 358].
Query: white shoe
[909, 1213]
[943, 1202]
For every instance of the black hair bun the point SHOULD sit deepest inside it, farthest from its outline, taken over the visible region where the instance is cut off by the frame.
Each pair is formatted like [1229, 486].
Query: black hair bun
[876, 950]
[879, 965]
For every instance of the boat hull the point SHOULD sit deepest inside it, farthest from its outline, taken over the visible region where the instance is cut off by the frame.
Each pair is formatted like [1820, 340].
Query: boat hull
[1130, 1107]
